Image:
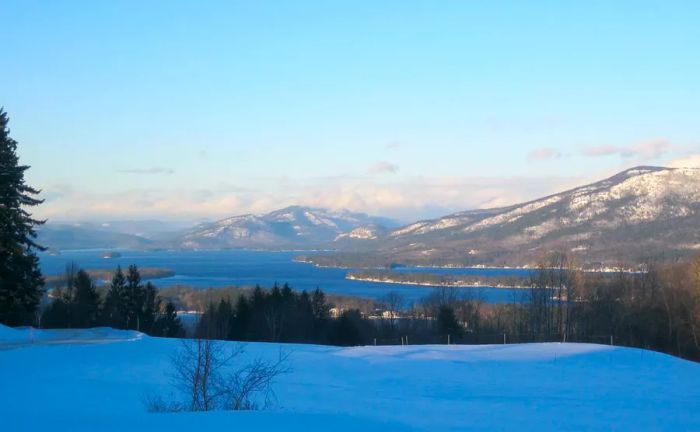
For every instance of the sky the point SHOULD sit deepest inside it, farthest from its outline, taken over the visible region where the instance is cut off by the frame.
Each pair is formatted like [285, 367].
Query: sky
[408, 109]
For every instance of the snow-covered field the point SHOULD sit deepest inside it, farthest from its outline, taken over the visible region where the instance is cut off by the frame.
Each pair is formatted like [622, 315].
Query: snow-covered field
[96, 379]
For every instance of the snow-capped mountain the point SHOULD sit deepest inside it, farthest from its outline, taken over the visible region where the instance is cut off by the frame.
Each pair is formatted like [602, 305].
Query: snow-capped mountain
[639, 214]
[293, 226]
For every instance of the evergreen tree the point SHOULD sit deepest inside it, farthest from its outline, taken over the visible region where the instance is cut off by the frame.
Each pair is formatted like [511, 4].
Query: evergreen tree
[258, 304]
[133, 298]
[85, 302]
[274, 314]
[150, 307]
[305, 325]
[447, 322]
[321, 311]
[20, 277]
[240, 328]
[217, 321]
[168, 324]
[225, 317]
[114, 312]
[75, 305]
[351, 329]
[57, 314]
[206, 326]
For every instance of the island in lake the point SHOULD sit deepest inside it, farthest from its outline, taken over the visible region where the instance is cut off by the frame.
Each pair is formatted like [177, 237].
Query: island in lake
[100, 275]
[432, 279]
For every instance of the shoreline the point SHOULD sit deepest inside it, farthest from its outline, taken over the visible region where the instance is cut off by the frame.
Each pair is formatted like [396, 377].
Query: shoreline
[428, 284]
[102, 276]
[473, 267]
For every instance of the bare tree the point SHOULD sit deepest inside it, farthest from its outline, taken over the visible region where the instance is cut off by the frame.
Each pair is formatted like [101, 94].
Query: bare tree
[243, 387]
[393, 302]
[197, 371]
[206, 374]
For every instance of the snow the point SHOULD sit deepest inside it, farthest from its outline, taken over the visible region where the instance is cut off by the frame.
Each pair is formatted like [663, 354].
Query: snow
[95, 380]
[444, 223]
[317, 219]
[543, 228]
[10, 334]
[23, 336]
[408, 229]
[651, 190]
[363, 233]
[642, 195]
[288, 217]
[513, 215]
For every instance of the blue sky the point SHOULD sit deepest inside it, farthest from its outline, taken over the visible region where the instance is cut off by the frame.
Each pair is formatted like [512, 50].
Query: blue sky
[411, 109]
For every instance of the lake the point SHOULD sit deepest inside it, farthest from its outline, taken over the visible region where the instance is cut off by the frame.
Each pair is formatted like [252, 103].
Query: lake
[204, 269]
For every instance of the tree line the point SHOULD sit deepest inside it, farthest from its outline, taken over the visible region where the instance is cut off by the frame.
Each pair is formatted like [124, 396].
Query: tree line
[282, 315]
[128, 304]
[657, 308]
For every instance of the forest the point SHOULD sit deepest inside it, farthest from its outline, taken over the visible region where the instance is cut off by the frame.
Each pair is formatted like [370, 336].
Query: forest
[127, 303]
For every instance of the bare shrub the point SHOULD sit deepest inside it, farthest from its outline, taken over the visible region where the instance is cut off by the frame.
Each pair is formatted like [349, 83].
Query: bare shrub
[157, 404]
[207, 375]
[245, 385]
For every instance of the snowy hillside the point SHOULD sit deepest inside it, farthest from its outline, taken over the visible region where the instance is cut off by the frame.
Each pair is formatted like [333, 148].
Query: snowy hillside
[632, 197]
[364, 232]
[97, 380]
[289, 227]
[639, 214]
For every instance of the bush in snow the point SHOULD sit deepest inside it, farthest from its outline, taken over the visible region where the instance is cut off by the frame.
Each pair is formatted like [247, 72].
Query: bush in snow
[207, 376]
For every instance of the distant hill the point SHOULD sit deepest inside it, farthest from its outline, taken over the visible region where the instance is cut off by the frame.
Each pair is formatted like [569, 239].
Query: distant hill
[291, 227]
[66, 237]
[142, 228]
[639, 214]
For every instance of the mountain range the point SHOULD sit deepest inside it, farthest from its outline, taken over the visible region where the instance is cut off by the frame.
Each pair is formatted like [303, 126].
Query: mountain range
[291, 227]
[644, 213]
[639, 214]
[123, 234]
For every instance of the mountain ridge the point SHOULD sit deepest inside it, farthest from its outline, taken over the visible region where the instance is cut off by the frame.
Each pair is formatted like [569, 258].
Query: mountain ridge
[639, 214]
[293, 226]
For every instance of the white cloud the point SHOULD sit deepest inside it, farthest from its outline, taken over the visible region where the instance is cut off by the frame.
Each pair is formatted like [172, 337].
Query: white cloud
[601, 150]
[649, 149]
[383, 167]
[408, 200]
[417, 198]
[544, 153]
